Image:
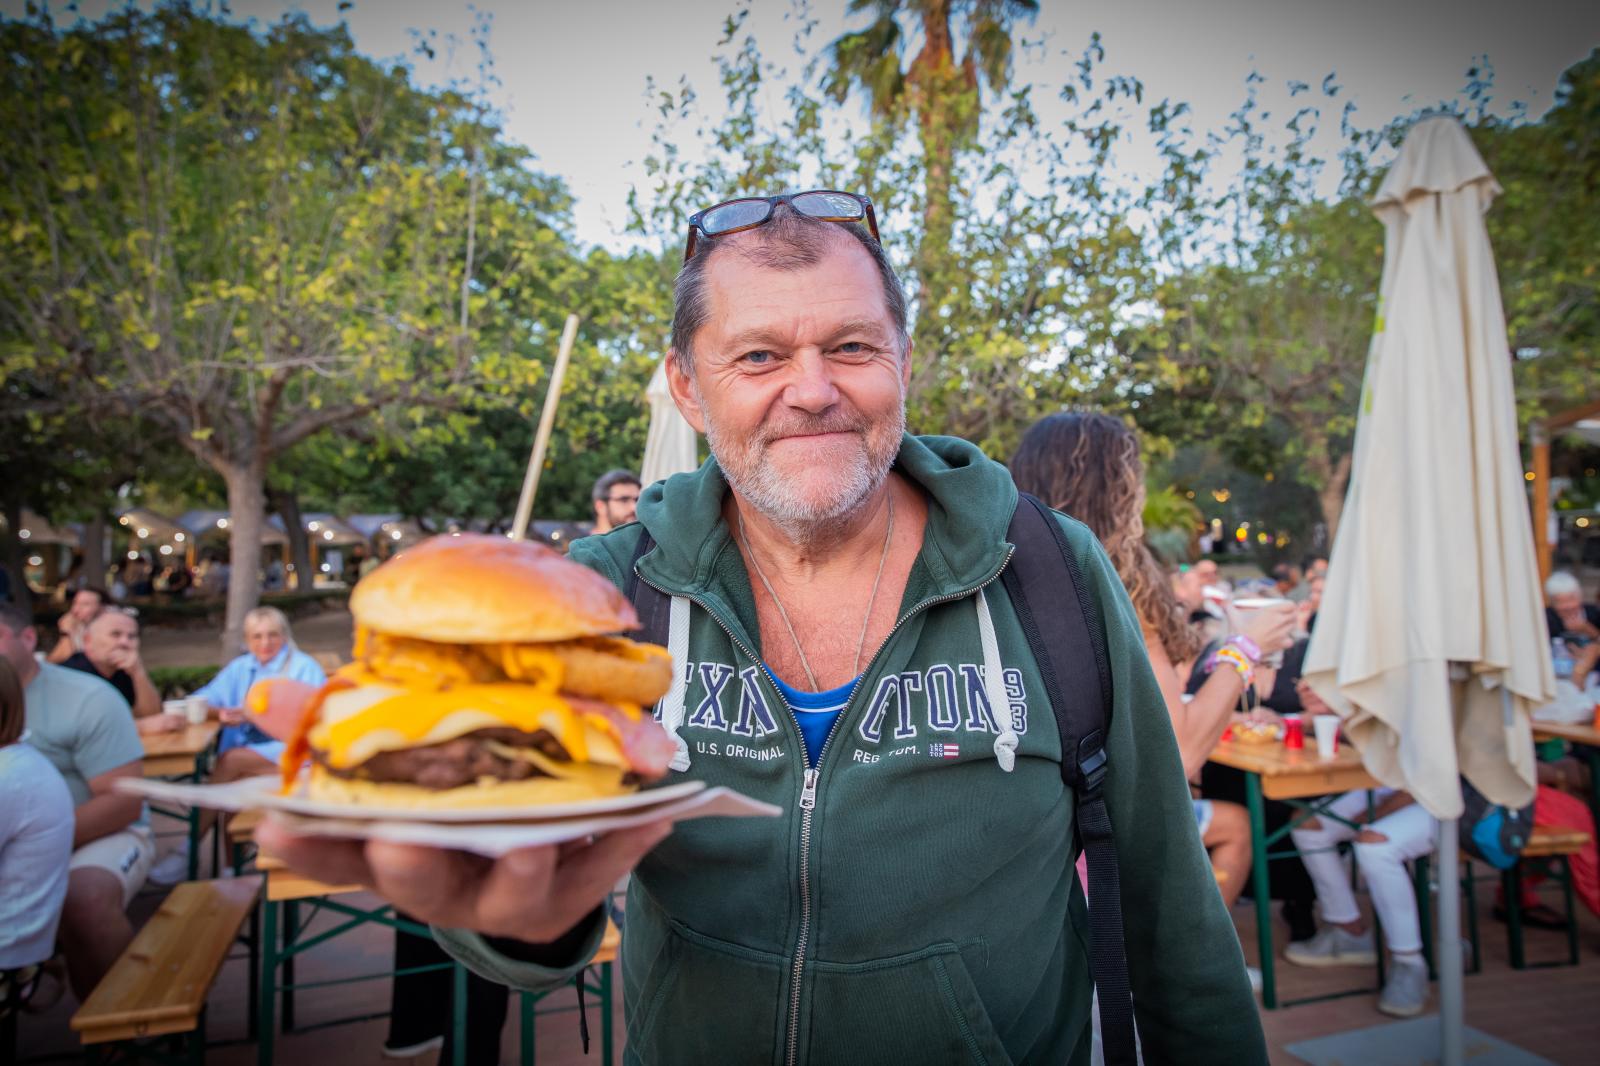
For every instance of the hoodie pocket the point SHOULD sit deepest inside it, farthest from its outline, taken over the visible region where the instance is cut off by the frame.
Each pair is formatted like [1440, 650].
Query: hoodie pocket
[922, 1008]
[705, 1000]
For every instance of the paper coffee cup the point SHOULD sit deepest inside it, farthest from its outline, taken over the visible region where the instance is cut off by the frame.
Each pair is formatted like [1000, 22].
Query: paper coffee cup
[195, 710]
[1327, 727]
[1248, 605]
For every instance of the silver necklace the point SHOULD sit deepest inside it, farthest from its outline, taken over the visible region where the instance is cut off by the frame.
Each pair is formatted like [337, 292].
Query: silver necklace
[861, 642]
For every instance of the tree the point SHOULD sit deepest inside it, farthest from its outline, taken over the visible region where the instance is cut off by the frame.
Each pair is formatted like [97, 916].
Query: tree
[1030, 281]
[940, 93]
[251, 237]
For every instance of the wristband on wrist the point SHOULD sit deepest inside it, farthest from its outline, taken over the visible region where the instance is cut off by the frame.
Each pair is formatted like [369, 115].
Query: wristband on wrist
[1250, 649]
[1226, 655]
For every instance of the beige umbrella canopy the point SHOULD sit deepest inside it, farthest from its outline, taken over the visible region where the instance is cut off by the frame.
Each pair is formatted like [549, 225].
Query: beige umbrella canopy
[1433, 564]
[671, 446]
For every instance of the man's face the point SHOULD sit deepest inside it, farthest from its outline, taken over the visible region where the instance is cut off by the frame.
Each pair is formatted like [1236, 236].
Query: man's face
[798, 382]
[1567, 602]
[112, 641]
[619, 505]
[264, 639]
[19, 648]
[86, 604]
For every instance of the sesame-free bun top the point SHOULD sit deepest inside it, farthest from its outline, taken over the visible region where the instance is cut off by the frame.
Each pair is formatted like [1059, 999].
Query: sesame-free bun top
[474, 588]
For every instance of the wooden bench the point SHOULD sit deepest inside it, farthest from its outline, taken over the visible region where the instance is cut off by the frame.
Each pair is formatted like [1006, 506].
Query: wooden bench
[1547, 851]
[160, 983]
[241, 835]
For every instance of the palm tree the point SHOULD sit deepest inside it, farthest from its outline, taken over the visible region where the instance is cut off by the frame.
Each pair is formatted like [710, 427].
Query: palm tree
[940, 92]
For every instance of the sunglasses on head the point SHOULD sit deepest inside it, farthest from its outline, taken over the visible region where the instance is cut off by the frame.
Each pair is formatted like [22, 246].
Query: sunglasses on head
[732, 216]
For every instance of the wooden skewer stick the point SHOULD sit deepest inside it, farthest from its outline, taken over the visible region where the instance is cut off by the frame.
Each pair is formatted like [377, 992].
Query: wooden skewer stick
[547, 419]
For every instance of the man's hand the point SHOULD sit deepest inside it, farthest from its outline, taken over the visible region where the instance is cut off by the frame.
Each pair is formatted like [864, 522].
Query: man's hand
[161, 723]
[127, 660]
[535, 894]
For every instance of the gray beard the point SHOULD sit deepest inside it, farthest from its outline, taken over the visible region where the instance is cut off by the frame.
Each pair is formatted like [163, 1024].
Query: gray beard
[804, 521]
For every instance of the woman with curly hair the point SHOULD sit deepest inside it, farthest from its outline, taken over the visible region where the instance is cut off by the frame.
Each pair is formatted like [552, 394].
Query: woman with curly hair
[1087, 465]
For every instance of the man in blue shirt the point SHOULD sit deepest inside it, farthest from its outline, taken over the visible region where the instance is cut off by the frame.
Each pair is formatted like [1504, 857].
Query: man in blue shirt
[243, 749]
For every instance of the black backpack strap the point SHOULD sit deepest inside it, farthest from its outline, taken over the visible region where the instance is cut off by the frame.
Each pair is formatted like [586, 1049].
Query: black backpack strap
[1068, 646]
[651, 604]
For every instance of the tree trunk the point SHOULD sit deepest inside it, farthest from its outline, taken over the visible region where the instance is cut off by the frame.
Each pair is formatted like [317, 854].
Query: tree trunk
[14, 557]
[95, 550]
[287, 503]
[933, 76]
[1335, 479]
[247, 512]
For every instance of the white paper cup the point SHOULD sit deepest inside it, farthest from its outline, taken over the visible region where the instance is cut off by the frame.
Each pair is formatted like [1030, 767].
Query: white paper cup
[195, 710]
[1244, 608]
[176, 707]
[1327, 727]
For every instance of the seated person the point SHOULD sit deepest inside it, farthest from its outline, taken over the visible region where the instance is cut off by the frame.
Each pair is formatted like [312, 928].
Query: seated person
[111, 653]
[1398, 831]
[83, 728]
[35, 837]
[1567, 617]
[87, 602]
[243, 750]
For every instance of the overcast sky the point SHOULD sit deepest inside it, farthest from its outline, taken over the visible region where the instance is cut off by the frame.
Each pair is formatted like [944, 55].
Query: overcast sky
[574, 71]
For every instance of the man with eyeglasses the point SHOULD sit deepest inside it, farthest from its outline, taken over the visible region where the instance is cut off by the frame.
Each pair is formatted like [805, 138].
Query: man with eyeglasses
[616, 498]
[850, 654]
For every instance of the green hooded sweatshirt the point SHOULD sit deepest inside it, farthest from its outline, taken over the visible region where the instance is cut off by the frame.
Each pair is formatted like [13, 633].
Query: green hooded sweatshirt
[916, 902]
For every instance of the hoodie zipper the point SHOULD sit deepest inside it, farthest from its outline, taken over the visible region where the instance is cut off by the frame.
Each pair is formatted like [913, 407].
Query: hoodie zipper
[808, 787]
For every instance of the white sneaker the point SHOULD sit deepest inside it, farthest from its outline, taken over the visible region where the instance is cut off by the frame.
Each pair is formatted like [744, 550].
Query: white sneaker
[1333, 946]
[411, 1051]
[172, 869]
[1405, 993]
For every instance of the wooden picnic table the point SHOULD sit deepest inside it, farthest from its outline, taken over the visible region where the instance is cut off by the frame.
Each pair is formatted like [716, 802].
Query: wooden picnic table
[1299, 776]
[1588, 738]
[176, 754]
[282, 939]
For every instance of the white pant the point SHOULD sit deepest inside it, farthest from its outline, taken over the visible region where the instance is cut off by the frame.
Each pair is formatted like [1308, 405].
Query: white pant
[1411, 832]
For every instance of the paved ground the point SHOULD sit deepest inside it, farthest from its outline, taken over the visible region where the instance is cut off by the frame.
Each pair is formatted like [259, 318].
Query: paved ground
[1550, 1012]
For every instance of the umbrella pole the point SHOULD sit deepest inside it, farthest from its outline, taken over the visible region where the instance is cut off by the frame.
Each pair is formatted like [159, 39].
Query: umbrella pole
[1448, 947]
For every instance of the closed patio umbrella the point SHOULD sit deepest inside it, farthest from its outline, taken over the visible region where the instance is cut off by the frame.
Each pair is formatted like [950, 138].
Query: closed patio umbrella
[1430, 639]
[670, 446]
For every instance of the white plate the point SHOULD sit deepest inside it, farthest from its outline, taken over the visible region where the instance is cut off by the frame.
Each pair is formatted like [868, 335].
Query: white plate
[264, 793]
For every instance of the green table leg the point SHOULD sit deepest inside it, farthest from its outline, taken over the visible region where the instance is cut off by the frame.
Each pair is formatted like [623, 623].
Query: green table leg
[1259, 884]
[605, 1005]
[267, 1006]
[526, 999]
[1570, 913]
[291, 932]
[1594, 783]
[458, 1013]
[194, 820]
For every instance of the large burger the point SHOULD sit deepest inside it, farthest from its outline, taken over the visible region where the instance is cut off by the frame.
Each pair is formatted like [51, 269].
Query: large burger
[487, 672]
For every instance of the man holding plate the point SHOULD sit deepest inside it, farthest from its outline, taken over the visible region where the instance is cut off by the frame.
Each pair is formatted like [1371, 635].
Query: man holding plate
[846, 650]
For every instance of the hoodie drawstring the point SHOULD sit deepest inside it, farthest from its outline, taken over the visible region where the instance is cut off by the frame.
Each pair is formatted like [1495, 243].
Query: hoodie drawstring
[994, 686]
[672, 703]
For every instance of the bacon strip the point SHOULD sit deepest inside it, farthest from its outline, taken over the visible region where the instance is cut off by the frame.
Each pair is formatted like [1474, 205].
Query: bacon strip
[645, 745]
[298, 749]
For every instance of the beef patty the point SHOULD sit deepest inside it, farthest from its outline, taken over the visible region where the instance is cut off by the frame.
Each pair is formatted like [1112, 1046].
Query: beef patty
[457, 762]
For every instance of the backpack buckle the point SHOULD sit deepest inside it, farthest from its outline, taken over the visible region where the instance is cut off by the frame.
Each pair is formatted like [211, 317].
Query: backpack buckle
[1092, 764]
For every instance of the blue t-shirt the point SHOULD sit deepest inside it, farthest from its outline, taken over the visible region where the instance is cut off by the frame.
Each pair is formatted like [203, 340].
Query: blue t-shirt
[815, 711]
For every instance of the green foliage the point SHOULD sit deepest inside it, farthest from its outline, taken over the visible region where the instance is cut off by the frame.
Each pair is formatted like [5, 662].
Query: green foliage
[175, 682]
[249, 236]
